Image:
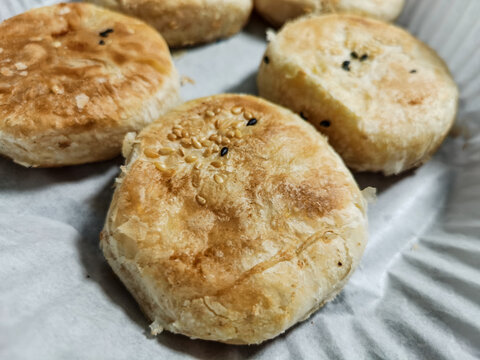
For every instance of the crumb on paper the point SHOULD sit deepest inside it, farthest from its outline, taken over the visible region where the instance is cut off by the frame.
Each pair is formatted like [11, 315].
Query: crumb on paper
[177, 54]
[81, 100]
[415, 247]
[155, 328]
[370, 194]
[270, 35]
[184, 80]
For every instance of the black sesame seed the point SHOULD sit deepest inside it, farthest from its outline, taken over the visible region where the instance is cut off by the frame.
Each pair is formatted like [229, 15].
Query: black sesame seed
[354, 55]
[364, 57]
[266, 60]
[101, 42]
[302, 115]
[413, 71]
[325, 123]
[106, 33]
[252, 122]
[340, 263]
[224, 151]
[346, 65]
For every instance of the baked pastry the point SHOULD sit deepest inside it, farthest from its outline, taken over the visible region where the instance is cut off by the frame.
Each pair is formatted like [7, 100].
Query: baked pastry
[233, 219]
[385, 100]
[277, 12]
[187, 22]
[74, 79]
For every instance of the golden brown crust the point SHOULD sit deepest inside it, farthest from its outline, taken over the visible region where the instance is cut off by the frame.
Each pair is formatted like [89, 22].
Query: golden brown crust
[278, 12]
[187, 22]
[385, 100]
[69, 91]
[233, 248]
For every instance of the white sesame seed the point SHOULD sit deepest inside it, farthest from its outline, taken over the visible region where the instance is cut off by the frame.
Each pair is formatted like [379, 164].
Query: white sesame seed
[166, 151]
[151, 153]
[1, 50]
[190, 159]
[178, 133]
[23, 73]
[57, 44]
[6, 71]
[186, 143]
[20, 66]
[164, 169]
[64, 10]
[196, 144]
[200, 200]
[247, 115]
[196, 179]
[236, 110]
[57, 90]
[81, 100]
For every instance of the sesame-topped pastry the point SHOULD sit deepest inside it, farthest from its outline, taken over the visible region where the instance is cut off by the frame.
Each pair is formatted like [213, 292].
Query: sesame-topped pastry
[385, 100]
[187, 22]
[74, 79]
[232, 220]
[278, 12]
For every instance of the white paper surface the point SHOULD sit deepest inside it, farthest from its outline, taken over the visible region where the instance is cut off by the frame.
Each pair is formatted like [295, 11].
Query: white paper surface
[416, 294]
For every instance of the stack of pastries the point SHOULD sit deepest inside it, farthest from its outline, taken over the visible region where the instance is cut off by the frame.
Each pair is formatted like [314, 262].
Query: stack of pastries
[234, 217]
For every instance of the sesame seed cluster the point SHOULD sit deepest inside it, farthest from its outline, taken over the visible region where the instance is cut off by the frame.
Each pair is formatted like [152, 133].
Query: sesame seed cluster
[197, 149]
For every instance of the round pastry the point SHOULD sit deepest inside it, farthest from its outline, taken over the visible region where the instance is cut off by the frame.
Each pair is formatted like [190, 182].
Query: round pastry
[278, 12]
[187, 22]
[74, 79]
[233, 220]
[385, 100]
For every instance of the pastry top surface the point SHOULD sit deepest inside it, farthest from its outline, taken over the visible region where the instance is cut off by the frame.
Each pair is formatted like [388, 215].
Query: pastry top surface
[74, 67]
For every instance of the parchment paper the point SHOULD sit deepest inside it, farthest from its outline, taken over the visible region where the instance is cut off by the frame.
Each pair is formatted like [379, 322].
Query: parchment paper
[416, 294]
